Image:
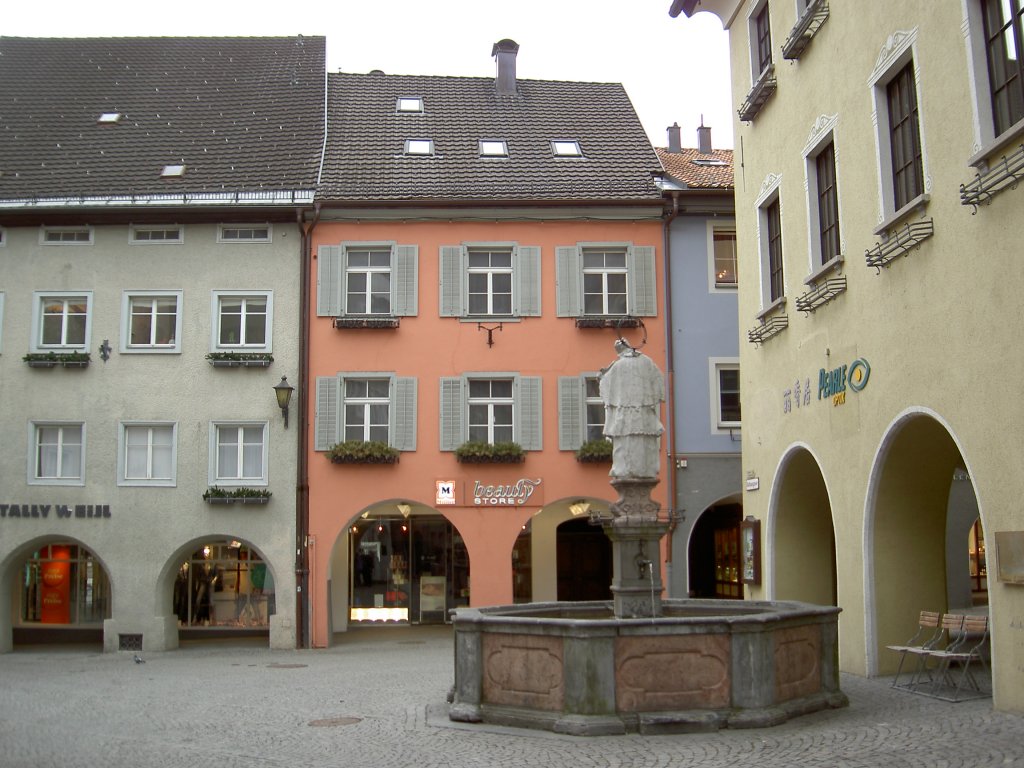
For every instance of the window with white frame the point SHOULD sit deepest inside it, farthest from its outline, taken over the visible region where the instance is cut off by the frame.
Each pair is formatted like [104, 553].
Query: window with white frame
[491, 408]
[769, 235]
[365, 406]
[723, 255]
[147, 454]
[367, 409]
[760, 39]
[995, 47]
[367, 278]
[368, 281]
[61, 321]
[605, 279]
[823, 202]
[485, 279]
[152, 320]
[57, 452]
[594, 408]
[725, 393]
[900, 141]
[156, 235]
[239, 453]
[243, 320]
[66, 236]
[244, 233]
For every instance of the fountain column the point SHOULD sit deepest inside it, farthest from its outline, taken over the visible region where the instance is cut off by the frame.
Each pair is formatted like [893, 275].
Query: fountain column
[635, 532]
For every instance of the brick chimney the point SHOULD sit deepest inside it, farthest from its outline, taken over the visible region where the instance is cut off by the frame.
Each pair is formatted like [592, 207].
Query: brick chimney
[674, 141]
[504, 51]
[704, 138]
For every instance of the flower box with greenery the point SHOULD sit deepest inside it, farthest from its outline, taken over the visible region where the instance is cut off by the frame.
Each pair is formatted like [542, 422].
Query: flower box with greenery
[243, 495]
[50, 359]
[602, 321]
[363, 452]
[240, 359]
[354, 321]
[473, 452]
[595, 451]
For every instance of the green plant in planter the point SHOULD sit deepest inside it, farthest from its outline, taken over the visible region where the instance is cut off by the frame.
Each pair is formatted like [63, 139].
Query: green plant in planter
[477, 452]
[595, 451]
[264, 357]
[215, 492]
[57, 357]
[363, 452]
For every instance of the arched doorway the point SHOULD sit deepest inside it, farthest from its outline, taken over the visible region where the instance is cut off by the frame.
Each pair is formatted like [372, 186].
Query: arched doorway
[714, 553]
[803, 548]
[62, 594]
[223, 588]
[584, 561]
[908, 543]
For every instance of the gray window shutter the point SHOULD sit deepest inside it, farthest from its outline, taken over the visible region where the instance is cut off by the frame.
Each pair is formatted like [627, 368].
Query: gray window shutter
[452, 400]
[529, 432]
[453, 280]
[570, 412]
[568, 282]
[643, 289]
[403, 414]
[326, 421]
[330, 271]
[527, 270]
[405, 281]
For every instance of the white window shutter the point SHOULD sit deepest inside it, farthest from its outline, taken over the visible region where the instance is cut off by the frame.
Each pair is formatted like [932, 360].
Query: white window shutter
[405, 281]
[330, 273]
[527, 271]
[453, 280]
[643, 289]
[529, 427]
[568, 282]
[452, 400]
[403, 414]
[326, 421]
[570, 412]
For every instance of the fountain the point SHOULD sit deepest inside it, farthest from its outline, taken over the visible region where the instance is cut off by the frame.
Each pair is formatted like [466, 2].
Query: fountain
[640, 662]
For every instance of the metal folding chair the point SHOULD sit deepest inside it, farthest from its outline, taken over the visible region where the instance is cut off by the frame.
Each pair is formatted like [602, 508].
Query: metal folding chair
[969, 647]
[928, 634]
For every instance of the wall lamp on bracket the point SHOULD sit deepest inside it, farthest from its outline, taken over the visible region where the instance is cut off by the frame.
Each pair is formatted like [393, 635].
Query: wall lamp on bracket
[284, 390]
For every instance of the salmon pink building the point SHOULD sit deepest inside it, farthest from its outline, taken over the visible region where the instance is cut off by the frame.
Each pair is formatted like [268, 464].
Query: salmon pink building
[478, 246]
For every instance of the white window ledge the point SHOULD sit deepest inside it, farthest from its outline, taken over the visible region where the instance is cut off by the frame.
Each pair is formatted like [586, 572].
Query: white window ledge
[832, 265]
[918, 203]
[979, 160]
[776, 305]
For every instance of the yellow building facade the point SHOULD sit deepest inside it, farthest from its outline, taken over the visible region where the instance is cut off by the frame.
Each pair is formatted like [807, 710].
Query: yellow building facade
[879, 246]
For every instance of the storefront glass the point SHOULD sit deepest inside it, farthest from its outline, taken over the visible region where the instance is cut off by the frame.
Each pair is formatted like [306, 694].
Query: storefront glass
[412, 569]
[224, 585]
[64, 584]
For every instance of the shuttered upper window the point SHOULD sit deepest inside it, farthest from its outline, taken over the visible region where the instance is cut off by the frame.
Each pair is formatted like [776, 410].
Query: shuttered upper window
[488, 279]
[362, 405]
[491, 407]
[606, 279]
[372, 278]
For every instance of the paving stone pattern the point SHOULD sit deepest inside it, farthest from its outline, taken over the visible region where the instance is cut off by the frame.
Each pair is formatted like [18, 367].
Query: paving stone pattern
[378, 699]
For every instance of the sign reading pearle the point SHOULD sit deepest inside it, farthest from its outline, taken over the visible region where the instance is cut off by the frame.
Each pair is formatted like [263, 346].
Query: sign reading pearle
[833, 385]
[509, 495]
[58, 510]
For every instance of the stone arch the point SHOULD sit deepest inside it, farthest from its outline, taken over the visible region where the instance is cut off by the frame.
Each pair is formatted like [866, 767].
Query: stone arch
[905, 524]
[723, 514]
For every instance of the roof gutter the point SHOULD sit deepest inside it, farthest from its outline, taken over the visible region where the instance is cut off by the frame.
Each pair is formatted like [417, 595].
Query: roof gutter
[670, 401]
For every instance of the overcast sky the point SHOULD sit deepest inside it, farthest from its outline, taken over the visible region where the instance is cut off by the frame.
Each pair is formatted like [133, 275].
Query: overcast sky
[674, 70]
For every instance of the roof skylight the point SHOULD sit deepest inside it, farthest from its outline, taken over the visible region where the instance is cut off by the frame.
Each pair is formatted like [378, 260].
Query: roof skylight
[493, 148]
[173, 170]
[410, 104]
[564, 148]
[108, 118]
[419, 147]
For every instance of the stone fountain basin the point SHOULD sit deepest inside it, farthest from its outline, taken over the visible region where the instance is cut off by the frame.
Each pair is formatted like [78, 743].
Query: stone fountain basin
[702, 665]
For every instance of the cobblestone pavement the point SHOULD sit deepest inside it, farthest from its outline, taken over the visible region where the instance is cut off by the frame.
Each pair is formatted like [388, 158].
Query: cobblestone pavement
[378, 699]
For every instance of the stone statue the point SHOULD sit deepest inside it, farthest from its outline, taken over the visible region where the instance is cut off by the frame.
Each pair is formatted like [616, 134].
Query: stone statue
[632, 389]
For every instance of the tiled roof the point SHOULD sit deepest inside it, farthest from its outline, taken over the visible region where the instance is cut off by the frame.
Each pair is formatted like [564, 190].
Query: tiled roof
[699, 171]
[242, 114]
[366, 139]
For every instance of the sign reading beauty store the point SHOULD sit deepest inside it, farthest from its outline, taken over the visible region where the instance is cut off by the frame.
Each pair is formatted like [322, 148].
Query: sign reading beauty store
[487, 492]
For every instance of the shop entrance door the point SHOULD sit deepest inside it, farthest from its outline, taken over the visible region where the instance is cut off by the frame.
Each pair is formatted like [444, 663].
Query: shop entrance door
[584, 555]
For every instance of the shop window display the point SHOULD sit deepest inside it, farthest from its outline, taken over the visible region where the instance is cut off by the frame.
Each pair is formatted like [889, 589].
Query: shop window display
[224, 585]
[411, 569]
[64, 584]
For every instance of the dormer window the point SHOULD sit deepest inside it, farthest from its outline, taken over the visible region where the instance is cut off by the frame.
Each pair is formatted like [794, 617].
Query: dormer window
[493, 148]
[566, 148]
[419, 147]
[410, 104]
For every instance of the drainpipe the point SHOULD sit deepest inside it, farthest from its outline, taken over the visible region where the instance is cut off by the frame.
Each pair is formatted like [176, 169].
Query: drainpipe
[303, 634]
[670, 403]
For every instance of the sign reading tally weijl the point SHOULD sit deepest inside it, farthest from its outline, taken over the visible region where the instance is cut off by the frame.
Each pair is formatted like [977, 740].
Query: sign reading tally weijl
[54, 510]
